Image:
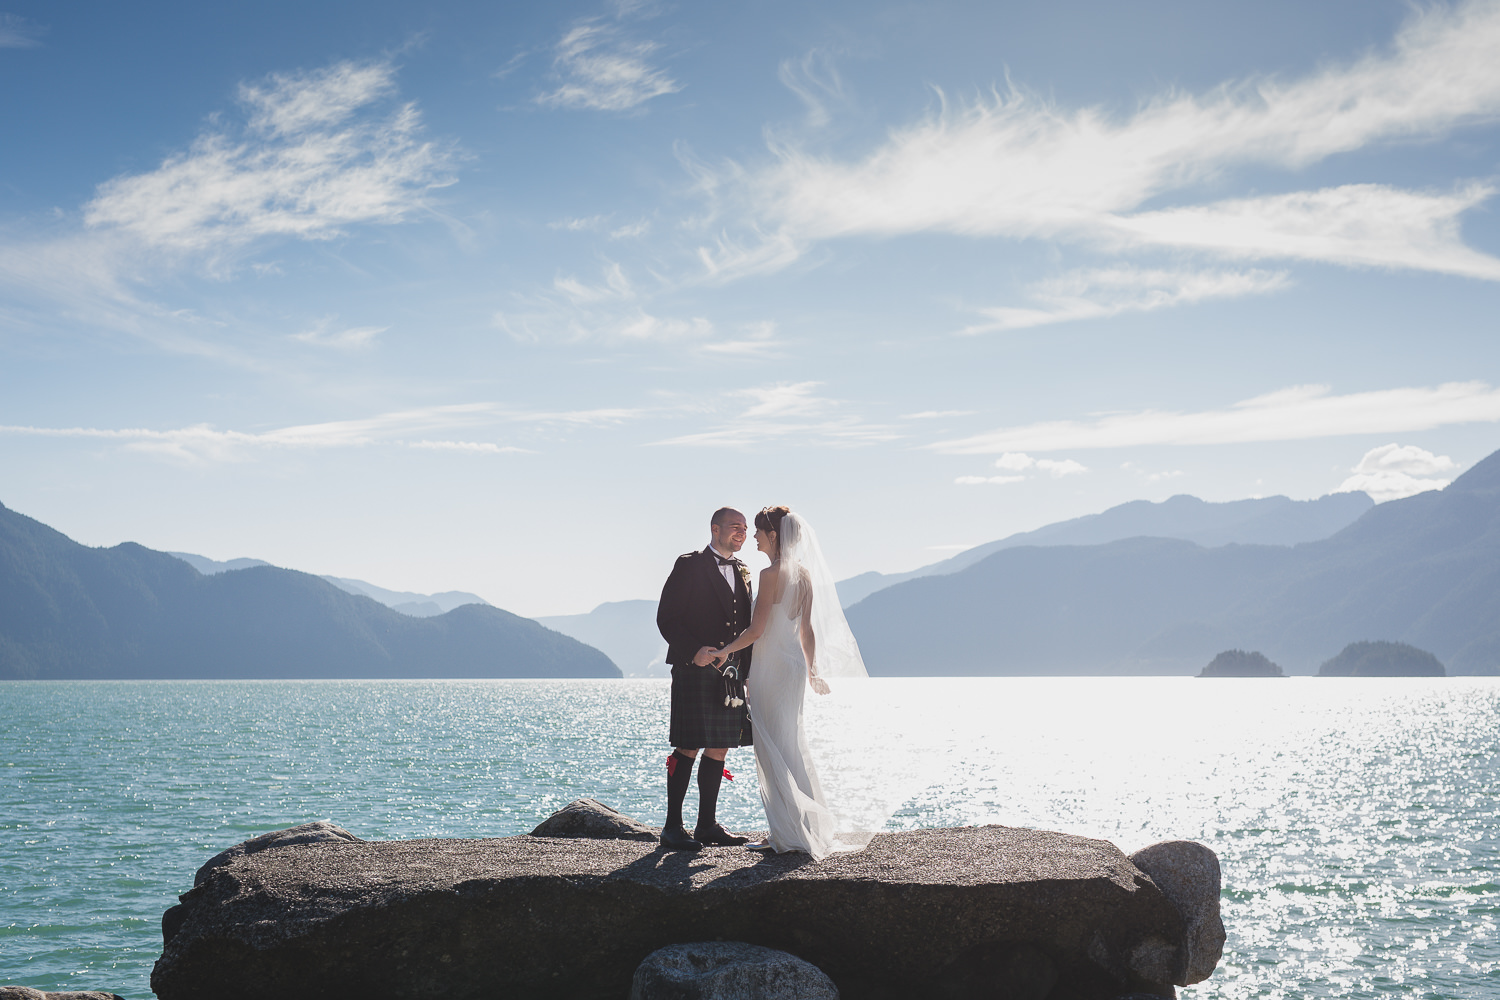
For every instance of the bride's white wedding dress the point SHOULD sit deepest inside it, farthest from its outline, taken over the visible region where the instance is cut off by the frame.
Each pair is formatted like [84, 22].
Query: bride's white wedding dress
[797, 814]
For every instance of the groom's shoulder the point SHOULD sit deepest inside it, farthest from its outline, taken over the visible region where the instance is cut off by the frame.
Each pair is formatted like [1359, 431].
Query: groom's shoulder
[688, 557]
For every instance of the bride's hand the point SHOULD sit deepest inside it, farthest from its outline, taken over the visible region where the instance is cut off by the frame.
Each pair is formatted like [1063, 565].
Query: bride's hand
[818, 684]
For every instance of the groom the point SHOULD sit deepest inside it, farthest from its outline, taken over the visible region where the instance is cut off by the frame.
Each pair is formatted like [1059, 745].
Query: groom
[704, 605]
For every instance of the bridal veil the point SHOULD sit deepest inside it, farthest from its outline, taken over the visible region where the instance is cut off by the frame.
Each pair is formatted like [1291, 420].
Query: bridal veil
[854, 733]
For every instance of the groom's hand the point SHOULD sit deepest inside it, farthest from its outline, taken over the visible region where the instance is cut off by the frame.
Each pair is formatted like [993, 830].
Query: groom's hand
[705, 656]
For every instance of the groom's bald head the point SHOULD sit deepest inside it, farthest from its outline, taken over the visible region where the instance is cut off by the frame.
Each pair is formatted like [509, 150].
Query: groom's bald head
[724, 514]
[727, 528]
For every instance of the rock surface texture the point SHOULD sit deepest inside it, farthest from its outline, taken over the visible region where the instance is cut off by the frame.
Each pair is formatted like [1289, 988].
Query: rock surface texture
[955, 913]
[27, 993]
[728, 970]
[1188, 873]
[593, 819]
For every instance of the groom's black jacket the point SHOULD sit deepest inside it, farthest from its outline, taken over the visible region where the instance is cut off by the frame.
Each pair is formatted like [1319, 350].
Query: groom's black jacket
[698, 608]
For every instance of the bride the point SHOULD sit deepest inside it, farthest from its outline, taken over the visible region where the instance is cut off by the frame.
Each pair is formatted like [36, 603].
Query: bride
[800, 638]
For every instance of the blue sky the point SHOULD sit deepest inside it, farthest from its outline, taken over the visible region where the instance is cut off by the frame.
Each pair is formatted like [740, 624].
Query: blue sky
[507, 298]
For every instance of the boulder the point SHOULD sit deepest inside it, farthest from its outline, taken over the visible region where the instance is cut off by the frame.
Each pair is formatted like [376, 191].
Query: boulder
[1188, 874]
[948, 912]
[728, 970]
[594, 820]
[317, 832]
[27, 993]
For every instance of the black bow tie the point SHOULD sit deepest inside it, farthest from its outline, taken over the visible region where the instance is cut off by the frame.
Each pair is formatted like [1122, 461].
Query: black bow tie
[726, 562]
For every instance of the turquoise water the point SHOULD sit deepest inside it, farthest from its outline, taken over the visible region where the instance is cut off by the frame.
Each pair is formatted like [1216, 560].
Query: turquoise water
[1356, 819]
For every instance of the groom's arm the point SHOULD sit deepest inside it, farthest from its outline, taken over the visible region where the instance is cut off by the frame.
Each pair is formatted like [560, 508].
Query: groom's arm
[671, 611]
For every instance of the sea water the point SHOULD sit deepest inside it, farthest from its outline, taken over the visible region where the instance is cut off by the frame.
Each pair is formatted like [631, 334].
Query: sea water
[1355, 819]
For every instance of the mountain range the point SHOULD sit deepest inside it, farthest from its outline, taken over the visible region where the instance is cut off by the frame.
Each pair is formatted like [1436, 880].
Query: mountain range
[68, 611]
[406, 602]
[1260, 521]
[625, 630]
[1424, 570]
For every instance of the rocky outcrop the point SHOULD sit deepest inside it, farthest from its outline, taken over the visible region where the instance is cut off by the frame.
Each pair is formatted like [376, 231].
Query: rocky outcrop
[26, 993]
[728, 970]
[1188, 873]
[957, 913]
[317, 832]
[595, 820]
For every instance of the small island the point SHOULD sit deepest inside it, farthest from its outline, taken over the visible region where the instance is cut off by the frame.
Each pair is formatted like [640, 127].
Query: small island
[1238, 663]
[1382, 659]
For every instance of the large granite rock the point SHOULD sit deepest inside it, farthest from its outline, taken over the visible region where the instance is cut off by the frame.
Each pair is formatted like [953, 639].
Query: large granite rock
[728, 970]
[316, 832]
[27, 993]
[1188, 874]
[592, 818]
[954, 913]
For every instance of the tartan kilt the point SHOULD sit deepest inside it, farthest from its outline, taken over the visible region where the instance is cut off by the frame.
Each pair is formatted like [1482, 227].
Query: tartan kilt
[699, 716]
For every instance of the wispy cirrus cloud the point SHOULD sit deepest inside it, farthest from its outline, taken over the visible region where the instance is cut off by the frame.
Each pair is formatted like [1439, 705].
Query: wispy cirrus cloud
[354, 338]
[1018, 166]
[603, 69]
[310, 161]
[1292, 414]
[791, 414]
[17, 32]
[205, 443]
[1356, 225]
[1101, 292]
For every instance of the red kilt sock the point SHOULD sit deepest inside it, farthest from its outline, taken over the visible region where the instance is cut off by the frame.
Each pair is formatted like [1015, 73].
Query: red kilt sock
[679, 770]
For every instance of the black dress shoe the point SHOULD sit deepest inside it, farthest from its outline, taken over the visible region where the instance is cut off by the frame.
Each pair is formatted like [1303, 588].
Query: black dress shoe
[675, 838]
[717, 836]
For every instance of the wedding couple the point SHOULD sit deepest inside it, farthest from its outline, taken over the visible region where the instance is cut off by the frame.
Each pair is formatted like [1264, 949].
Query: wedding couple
[797, 634]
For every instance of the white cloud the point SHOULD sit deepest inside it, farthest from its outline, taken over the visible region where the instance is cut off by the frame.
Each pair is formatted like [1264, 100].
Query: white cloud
[631, 230]
[17, 32]
[790, 414]
[1156, 477]
[1058, 469]
[788, 399]
[991, 480]
[1356, 225]
[816, 81]
[730, 259]
[203, 442]
[1103, 292]
[576, 225]
[759, 342]
[478, 447]
[604, 71]
[1019, 166]
[1392, 471]
[309, 162]
[1292, 414]
[349, 339]
[1015, 464]
[615, 286]
[936, 414]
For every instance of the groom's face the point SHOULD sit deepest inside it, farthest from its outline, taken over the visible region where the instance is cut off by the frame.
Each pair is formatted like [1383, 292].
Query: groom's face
[729, 536]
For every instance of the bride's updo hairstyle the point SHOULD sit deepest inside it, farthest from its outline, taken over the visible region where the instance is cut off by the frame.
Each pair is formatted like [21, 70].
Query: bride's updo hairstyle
[769, 519]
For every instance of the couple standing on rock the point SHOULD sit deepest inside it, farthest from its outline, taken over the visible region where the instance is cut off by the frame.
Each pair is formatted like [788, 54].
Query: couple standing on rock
[710, 617]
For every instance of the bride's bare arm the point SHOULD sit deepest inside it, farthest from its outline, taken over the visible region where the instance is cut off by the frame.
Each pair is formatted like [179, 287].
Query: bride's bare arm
[757, 620]
[810, 643]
